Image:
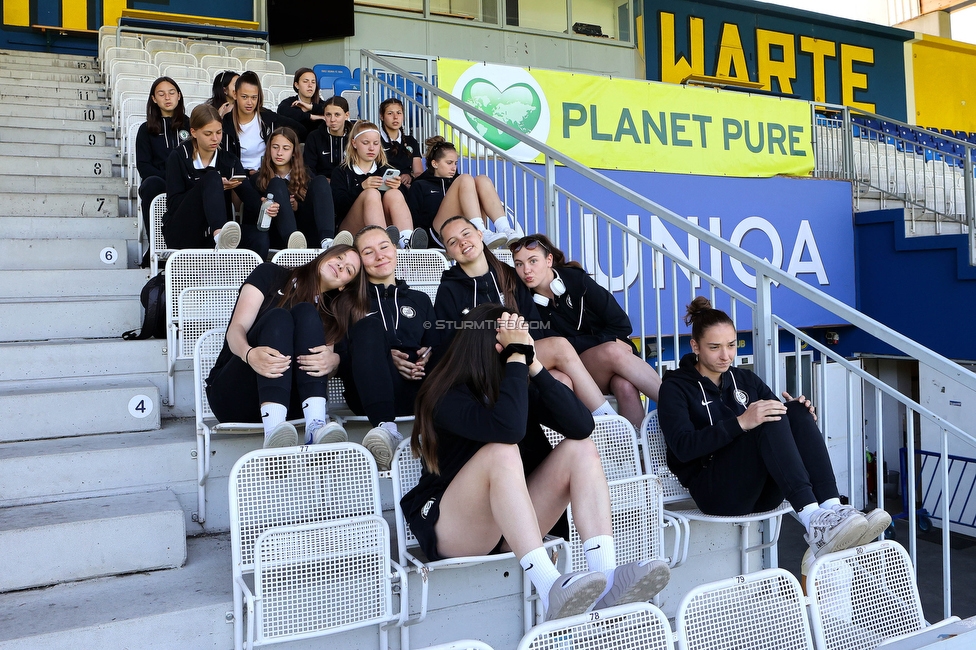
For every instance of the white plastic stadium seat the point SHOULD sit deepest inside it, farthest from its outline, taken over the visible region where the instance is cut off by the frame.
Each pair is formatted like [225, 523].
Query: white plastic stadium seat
[406, 473]
[204, 49]
[262, 66]
[245, 53]
[627, 627]
[154, 45]
[760, 610]
[215, 63]
[183, 73]
[308, 532]
[862, 596]
[464, 644]
[684, 509]
[157, 243]
[202, 309]
[616, 441]
[182, 58]
[269, 79]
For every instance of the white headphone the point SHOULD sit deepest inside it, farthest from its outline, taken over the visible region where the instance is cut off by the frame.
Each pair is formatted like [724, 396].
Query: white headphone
[557, 286]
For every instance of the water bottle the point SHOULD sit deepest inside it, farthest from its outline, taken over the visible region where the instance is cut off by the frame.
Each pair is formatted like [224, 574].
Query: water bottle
[264, 219]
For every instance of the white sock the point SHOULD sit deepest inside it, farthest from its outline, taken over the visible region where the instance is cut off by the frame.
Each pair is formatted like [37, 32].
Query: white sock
[542, 572]
[830, 503]
[604, 409]
[272, 415]
[503, 223]
[601, 556]
[314, 408]
[807, 513]
[392, 428]
[479, 223]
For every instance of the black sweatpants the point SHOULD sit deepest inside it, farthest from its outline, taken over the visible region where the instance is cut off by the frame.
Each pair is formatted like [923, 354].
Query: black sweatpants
[204, 209]
[776, 460]
[374, 387]
[236, 391]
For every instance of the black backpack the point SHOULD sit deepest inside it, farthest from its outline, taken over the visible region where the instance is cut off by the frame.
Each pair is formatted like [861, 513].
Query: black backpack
[154, 300]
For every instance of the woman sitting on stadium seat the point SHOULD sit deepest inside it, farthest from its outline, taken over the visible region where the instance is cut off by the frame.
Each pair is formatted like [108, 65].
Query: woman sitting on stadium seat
[478, 277]
[224, 92]
[388, 348]
[360, 189]
[305, 107]
[491, 482]
[278, 351]
[326, 146]
[440, 193]
[739, 449]
[576, 307]
[305, 210]
[165, 127]
[402, 150]
[199, 179]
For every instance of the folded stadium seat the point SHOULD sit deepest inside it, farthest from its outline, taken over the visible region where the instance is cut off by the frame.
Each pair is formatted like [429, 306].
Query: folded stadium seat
[856, 123]
[180, 58]
[154, 45]
[343, 84]
[625, 627]
[203, 49]
[874, 128]
[327, 74]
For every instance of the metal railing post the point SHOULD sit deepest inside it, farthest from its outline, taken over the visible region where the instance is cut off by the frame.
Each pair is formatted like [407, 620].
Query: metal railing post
[552, 221]
[762, 331]
[970, 203]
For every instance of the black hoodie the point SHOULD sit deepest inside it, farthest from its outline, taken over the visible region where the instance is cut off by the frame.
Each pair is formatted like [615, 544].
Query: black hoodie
[152, 151]
[587, 314]
[181, 175]
[324, 151]
[269, 122]
[285, 109]
[698, 418]
[407, 315]
[426, 194]
[458, 294]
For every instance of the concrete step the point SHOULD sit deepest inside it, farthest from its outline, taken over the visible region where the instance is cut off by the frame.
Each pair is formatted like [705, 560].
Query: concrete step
[59, 167]
[45, 112]
[89, 538]
[84, 80]
[41, 59]
[98, 407]
[70, 226]
[85, 99]
[96, 125]
[88, 152]
[69, 318]
[25, 254]
[52, 74]
[44, 93]
[81, 358]
[54, 283]
[50, 65]
[95, 137]
[97, 186]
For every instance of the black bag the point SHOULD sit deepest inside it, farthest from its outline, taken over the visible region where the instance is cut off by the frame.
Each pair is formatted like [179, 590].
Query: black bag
[154, 300]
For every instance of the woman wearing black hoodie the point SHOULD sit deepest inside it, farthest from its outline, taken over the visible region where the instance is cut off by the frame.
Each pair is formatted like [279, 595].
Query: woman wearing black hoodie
[326, 145]
[165, 127]
[248, 127]
[739, 449]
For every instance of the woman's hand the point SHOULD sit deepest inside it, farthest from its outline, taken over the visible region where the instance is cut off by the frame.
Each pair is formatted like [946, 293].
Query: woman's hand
[393, 182]
[372, 183]
[294, 203]
[302, 105]
[321, 362]
[268, 362]
[272, 209]
[408, 369]
[802, 400]
[765, 410]
[405, 180]
[230, 183]
[225, 108]
[512, 328]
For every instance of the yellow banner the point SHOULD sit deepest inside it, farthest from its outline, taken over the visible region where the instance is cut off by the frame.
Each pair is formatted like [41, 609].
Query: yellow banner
[632, 125]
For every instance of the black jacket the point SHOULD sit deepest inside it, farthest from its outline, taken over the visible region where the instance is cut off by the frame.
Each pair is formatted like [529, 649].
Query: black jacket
[458, 294]
[294, 113]
[347, 185]
[324, 151]
[269, 122]
[400, 153]
[424, 199]
[587, 314]
[152, 151]
[464, 423]
[698, 418]
[181, 175]
[404, 312]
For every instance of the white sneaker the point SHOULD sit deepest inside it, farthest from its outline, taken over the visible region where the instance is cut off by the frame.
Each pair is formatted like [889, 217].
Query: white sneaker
[320, 432]
[343, 238]
[636, 582]
[878, 521]
[510, 236]
[575, 593]
[830, 532]
[229, 236]
[381, 442]
[297, 240]
[283, 435]
[494, 240]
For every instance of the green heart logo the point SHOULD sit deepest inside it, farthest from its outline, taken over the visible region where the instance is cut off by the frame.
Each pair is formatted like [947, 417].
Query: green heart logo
[519, 106]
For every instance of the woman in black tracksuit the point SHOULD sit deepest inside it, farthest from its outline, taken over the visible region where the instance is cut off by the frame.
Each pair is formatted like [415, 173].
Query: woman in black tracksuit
[199, 180]
[739, 449]
[278, 352]
[389, 349]
[325, 147]
[402, 151]
[576, 307]
[165, 127]
[490, 480]
[306, 106]
[248, 127]
[478, 277]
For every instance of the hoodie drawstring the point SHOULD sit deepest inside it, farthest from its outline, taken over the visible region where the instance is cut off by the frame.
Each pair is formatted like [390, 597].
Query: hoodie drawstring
[705, 403]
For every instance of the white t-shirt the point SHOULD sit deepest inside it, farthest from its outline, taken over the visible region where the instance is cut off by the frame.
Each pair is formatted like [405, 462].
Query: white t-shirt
[252, 145]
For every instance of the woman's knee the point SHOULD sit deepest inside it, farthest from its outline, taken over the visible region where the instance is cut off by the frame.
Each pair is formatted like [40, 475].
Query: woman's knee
[279, 187]
[582, 452]
[275, 325]
[393, 198]
[212, 180]
[371, 196]
[305, 312]
[502, 458]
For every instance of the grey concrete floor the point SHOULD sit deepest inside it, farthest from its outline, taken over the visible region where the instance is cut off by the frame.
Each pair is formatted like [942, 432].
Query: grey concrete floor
[962, 557]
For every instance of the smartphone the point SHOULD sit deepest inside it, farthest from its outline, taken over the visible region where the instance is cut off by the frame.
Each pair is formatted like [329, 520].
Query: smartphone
[388, 174]
[238, 177]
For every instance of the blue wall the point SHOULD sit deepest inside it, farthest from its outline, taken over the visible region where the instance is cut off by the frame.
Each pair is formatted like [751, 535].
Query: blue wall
[922, 287]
